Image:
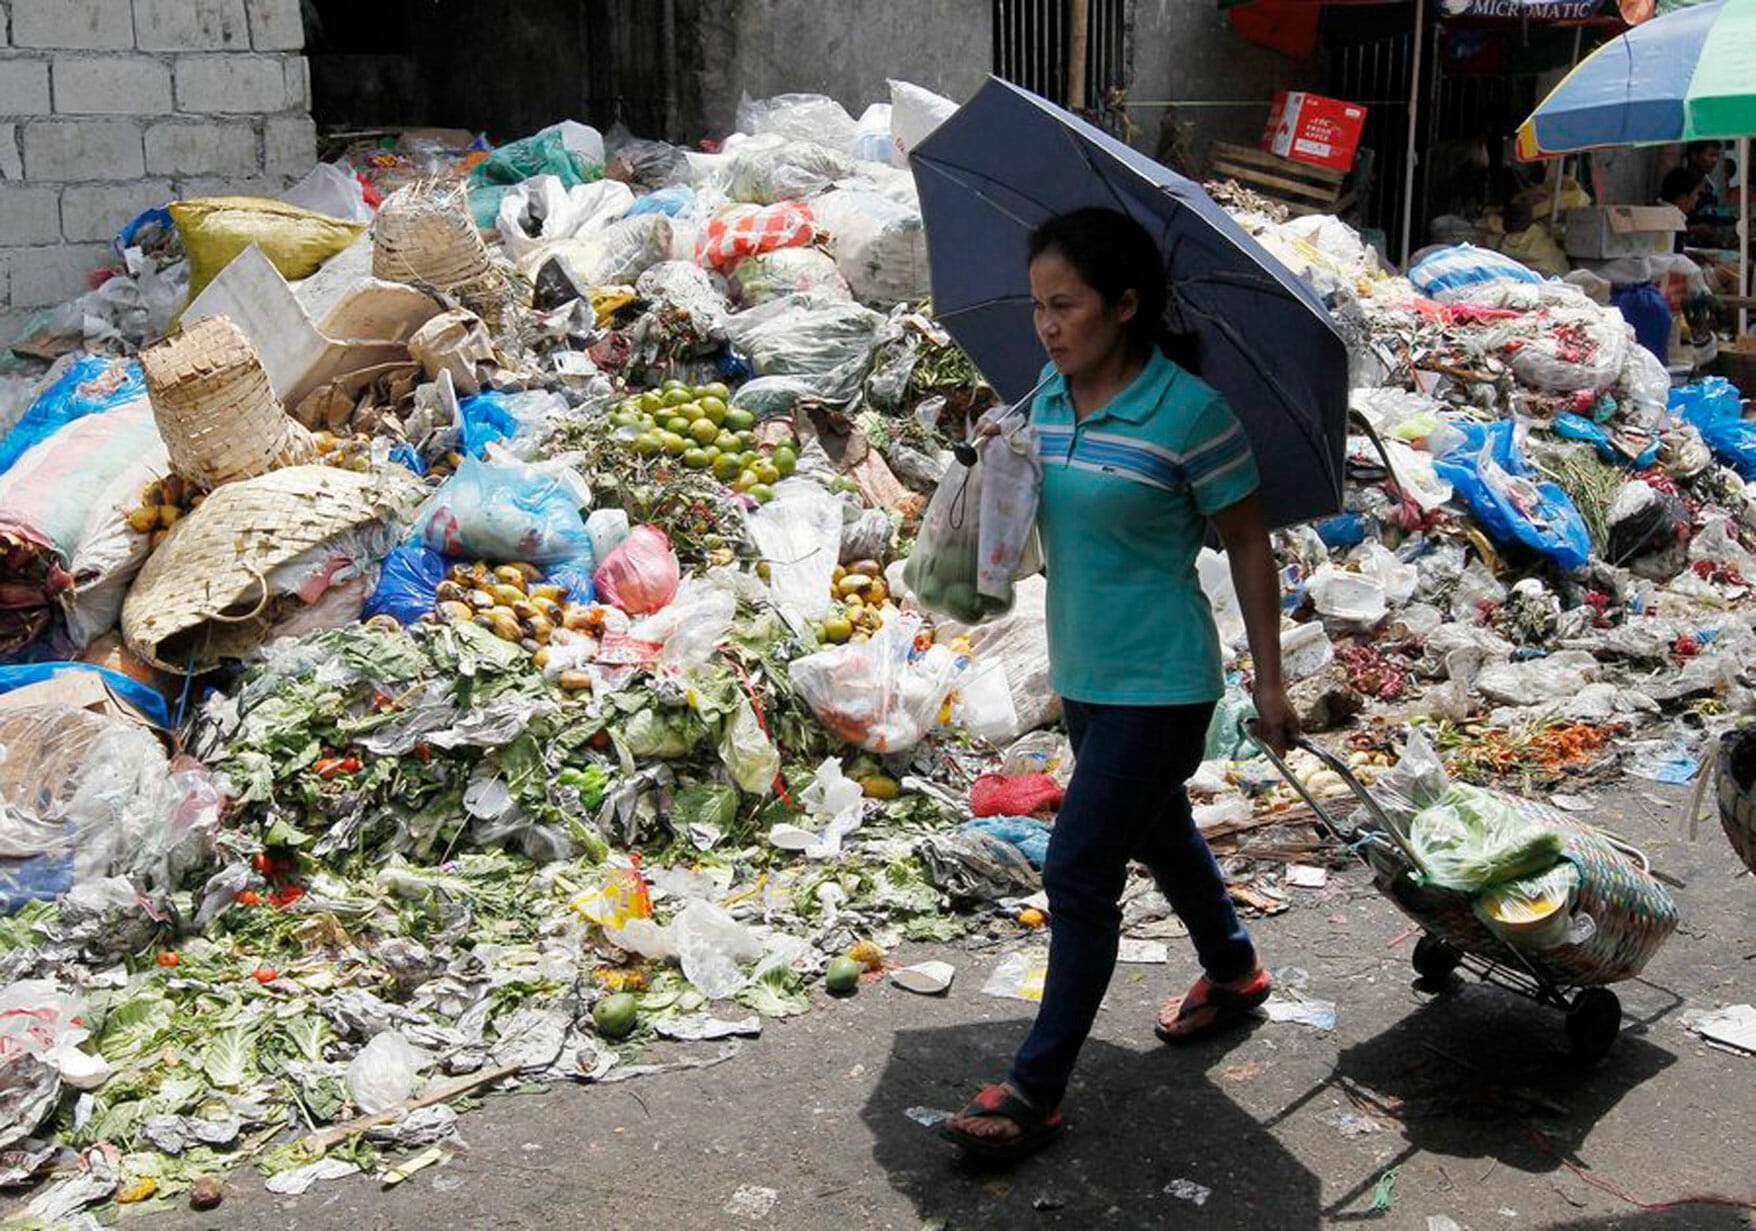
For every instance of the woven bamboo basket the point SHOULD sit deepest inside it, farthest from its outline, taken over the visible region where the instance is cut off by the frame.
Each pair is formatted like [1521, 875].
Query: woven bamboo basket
[204, 595]
[1735, 784]
[1631, 914]
[215, 408]
[424, 234]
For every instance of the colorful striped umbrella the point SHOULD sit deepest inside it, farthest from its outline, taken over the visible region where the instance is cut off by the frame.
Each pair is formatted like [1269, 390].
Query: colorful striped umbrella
[1685, 76]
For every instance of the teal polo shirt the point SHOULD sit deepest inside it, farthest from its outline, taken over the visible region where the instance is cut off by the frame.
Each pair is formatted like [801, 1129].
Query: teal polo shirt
[1125, 501]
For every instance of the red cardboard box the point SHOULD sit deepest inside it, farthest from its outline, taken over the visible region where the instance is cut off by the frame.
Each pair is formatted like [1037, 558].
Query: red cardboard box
[1310, 128]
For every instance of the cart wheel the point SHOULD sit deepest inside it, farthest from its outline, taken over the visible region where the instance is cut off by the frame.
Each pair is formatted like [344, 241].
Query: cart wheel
[1434, 959]
[1593, 1022]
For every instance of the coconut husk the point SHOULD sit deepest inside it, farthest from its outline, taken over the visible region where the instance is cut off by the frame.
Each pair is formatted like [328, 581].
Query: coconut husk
[203, 595]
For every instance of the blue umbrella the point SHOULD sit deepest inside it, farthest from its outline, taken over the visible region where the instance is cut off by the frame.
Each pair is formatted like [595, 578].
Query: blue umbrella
[1008, 160]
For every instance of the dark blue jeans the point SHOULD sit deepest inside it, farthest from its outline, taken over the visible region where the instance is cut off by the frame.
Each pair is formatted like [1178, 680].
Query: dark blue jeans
[1126, 801]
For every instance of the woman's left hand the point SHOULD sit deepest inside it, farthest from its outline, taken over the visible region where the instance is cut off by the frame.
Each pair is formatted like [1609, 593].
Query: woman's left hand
[1276, 725]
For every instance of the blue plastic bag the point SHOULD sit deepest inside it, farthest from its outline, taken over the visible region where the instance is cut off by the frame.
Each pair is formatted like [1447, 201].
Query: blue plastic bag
[668, 201]
[485, 420]
[1446, 273]
[1342, 531]
[1715, 410]
[406, 581]
[404, 455]
[141, 697]
[1028, 834]
[1550, 525]
[504, 511]
[90, 383]
[1577, 427]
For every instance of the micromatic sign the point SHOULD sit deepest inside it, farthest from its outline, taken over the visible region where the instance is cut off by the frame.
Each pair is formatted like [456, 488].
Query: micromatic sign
[1533, 10]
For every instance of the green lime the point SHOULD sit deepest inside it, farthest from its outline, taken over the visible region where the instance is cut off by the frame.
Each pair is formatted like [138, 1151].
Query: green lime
[841, 979]
[746, 440]
[678, 396]
[671, 384]
[703, 431]
[714, 409]
[679, 424]
[697, 459]
[716, 389]
[674, 444]
[785, 461]
[750, 458]
[615, 1017]
[767, 473]
[650, 401]
[761, 493]
[647, 443]
[727, 442]
[726, 467]
[625, 418]
[739, 419]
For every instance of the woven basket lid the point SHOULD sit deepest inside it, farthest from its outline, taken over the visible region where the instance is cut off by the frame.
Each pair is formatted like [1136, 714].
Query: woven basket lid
[200, 597]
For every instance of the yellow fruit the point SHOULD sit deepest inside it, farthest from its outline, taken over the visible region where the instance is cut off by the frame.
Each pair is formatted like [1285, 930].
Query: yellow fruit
[837, 629]
[837, 574]
[867, 954]
[505, 595]
[880, 786]
[168, 515]
[867, 567]
[877, 593]
[481, 600]
[1031, 917]
[511, 575]
[502, 623]
[541, 659]
[553, 594]
[575, 680]
[852, 584]
[455, 611]
[144, 520]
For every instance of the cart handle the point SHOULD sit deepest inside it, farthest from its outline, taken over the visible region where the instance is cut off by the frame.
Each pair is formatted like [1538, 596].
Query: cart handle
[1341, 770]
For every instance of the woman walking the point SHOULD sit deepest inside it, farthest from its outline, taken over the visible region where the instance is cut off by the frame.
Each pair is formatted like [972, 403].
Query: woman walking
[1137, 456]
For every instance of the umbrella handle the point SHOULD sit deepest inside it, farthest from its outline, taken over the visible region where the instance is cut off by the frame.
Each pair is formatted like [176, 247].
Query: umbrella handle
[965, 451]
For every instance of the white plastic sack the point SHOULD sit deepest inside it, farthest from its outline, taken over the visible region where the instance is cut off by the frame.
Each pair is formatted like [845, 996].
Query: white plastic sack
[799, 535]
[542, 208]
[615, 255]
[879, 245]
[914, 113]
[755, 280]
[872, 140]
[1214, 570]
[328, 189]
[1350, 597]
[37, 1019]
[580, 139]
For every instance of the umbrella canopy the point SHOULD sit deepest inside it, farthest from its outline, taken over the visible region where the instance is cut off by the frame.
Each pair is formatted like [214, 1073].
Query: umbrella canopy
[1008, 161]
[1685, 76]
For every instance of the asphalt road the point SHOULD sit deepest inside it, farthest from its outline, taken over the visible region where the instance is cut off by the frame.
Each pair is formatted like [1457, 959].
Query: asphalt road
[1469, 1100]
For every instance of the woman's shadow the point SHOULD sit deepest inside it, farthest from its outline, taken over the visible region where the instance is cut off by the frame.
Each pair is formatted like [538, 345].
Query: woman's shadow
[1148, 1143]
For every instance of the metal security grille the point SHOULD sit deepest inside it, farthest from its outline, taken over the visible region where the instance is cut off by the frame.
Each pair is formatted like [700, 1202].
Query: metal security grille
[1033, 42]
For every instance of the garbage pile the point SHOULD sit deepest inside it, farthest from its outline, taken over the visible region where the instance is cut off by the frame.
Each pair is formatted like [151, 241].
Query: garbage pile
[457, 630]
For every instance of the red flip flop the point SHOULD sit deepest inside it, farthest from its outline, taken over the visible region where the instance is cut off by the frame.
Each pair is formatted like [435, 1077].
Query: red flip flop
[1230, 1006]
[1036, 1128]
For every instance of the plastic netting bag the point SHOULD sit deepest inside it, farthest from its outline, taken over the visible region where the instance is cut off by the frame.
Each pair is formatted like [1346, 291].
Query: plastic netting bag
[641, 575]
[504, 511]
[884, 694]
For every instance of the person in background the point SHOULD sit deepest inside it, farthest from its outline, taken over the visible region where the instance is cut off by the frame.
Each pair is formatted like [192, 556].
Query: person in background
[1139, 456]
[1682, 188]
[1702, 157]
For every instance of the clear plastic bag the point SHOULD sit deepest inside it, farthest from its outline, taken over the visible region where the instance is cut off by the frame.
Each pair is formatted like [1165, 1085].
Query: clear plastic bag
[1010, 488]
[791, 172]
[504, 511]
[641, 575]
[712, 946]
[826, 343]
[756, 280]
[748, 754]
[799, 534]
[384, 1072]
[798, 117]
[941, 572]
[879, 245]
[883, 695]
[746, 230]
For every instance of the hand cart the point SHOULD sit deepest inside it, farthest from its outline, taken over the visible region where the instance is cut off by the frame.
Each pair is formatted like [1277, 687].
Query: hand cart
[1626, 913]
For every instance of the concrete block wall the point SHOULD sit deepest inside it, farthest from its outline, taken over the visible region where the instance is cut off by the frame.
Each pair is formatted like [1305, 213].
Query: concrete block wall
[109, 107]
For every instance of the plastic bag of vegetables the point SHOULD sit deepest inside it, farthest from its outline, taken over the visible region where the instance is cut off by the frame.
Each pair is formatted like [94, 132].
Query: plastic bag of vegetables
[884, 694]
[941, 572]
